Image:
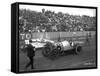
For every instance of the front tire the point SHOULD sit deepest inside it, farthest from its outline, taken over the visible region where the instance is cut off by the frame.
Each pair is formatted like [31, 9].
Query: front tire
[46, 52]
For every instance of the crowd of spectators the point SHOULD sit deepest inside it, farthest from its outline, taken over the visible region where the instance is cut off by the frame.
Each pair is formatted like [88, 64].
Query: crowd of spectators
[49, 21]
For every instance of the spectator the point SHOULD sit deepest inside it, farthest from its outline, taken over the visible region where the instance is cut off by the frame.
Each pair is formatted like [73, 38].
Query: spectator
[30, 55]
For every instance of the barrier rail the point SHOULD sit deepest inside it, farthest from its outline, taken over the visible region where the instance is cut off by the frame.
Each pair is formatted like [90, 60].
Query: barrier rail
[55, 35]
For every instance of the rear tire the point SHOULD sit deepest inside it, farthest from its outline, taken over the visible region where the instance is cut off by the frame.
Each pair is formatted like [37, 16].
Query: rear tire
[78, 49]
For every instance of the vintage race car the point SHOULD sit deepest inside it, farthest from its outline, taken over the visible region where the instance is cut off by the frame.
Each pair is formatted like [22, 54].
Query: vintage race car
[38, 43]
[59, 48]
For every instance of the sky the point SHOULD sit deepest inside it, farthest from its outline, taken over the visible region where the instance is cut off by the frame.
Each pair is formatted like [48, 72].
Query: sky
[69, 10]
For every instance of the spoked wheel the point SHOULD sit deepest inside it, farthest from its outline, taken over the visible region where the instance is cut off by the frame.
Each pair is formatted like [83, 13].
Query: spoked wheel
[78, 49]
[56, 52]
[53, 54]
[46, 52]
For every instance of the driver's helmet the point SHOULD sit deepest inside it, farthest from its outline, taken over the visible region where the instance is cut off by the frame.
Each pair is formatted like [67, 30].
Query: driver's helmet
[30, 41]
[71, 43]
[58, 44]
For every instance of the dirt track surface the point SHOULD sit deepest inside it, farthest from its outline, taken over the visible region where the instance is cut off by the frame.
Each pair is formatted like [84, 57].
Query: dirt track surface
[86, 58]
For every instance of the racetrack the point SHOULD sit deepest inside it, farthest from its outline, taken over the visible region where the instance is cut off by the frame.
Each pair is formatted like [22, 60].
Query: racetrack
[86, 58]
